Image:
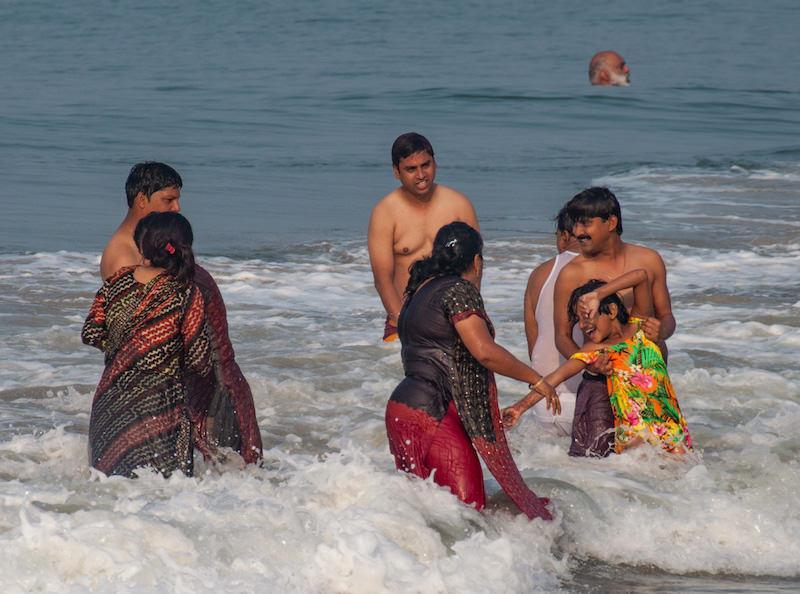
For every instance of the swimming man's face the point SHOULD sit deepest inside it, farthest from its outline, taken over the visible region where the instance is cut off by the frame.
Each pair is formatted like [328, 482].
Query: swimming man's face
[619, 73]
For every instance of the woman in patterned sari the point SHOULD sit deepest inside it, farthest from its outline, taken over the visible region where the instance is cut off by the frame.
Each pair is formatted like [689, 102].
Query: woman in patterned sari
[642, 398]
[446, 407]
[149, 321]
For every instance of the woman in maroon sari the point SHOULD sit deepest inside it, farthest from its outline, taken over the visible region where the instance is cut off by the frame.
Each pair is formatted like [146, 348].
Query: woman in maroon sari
[446, 407]
[150, 322]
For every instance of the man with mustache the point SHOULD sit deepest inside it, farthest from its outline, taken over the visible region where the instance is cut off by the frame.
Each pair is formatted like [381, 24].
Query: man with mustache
[597, 225]
[609, 68]
[405, 221]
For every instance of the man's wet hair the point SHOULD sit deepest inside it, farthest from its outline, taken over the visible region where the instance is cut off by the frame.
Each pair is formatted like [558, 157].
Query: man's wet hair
[563, 221]
[593, 285]
[409, 144]
[595, 202]
[150, 177]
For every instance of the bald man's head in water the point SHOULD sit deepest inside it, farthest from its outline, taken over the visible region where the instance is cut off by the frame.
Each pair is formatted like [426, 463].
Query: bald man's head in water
[609, 68]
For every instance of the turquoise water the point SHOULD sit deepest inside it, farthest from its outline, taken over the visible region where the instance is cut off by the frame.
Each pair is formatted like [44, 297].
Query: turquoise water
[280, 117]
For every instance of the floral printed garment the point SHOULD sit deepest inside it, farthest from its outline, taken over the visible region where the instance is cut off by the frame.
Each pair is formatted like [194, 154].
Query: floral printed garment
[642, 397]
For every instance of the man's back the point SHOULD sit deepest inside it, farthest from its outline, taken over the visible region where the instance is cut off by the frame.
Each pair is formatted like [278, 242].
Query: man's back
[545, 357]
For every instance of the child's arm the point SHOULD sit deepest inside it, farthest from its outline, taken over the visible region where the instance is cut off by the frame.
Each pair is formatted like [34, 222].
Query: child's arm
[642, 296]
[512, 413]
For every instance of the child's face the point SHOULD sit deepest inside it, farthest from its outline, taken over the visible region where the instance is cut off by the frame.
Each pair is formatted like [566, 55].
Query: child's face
[598, 328]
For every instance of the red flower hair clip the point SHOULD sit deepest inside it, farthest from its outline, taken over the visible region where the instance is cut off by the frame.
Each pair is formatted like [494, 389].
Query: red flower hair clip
[170, 248]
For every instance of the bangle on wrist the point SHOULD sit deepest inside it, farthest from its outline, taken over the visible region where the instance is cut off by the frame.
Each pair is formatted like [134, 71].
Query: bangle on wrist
[537, 384]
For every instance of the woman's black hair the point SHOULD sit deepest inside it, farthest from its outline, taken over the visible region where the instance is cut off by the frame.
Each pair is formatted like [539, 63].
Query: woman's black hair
[165, 238]
[622, 312]
[454, 249]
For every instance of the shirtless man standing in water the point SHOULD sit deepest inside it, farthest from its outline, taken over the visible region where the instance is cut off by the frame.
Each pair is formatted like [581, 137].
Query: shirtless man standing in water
[150, 187]
[404, 222]
[597, 225]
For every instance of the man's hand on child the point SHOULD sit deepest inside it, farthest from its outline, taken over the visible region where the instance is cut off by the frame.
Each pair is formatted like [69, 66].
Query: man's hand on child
[601, 366]
[588, 305]
[652, 329]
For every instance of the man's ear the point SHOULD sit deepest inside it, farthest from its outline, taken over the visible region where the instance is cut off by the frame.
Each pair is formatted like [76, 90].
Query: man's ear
[396, 171]
[613, 222]
[141, 200]
[604, 78]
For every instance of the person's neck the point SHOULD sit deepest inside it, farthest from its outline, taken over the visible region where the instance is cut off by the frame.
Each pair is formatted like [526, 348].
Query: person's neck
[611, 251]
[130, 221]
[573, 246]
[144, 273]
[619, 332]
[423, 199]
[473, 277]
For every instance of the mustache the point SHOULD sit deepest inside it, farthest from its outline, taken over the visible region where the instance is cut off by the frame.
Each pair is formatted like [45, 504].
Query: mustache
[583, 236]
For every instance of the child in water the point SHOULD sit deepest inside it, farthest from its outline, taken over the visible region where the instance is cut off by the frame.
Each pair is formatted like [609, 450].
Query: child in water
[642, 398]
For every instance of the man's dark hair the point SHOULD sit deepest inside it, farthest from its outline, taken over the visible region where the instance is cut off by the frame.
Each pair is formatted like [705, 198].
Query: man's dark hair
[595, 202]
[150, 177]
[563, 221]
[409, 144]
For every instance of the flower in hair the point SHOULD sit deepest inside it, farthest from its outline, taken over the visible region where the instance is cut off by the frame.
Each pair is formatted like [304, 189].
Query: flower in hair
[170, 248]
[451, 243]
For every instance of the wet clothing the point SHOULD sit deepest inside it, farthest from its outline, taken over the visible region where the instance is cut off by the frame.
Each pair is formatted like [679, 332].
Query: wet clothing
[149, 334]
[545, 357]
[442, 377]
[389, 331]
[642, 398]
[421, 444]
[593, 422]
[221, 403]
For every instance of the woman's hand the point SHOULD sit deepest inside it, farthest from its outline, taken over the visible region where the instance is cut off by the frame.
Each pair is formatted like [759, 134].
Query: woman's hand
[588, 305]
[510, 416]
[553, 403]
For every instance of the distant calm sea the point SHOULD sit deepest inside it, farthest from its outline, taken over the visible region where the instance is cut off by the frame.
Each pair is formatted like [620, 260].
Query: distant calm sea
[280, 117]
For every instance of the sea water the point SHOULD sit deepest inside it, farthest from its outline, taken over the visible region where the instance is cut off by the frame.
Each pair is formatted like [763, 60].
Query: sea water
[280, 117]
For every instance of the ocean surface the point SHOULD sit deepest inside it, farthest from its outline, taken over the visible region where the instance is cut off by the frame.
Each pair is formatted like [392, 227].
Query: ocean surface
[280, 117]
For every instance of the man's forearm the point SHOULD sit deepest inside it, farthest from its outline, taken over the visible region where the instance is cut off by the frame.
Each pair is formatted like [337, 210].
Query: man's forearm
[668, 326]
[392, 302]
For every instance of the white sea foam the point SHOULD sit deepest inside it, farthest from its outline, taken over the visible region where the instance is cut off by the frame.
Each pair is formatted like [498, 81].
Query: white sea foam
[328, 512]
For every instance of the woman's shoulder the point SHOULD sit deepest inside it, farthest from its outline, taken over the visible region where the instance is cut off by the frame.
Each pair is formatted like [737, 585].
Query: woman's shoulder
[125, 271]
[461, 294]
[456, 285]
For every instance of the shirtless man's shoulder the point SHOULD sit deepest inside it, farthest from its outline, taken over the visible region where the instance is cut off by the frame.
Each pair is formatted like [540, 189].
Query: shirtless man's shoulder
[396, 202]
[639, 256]
[119, 252]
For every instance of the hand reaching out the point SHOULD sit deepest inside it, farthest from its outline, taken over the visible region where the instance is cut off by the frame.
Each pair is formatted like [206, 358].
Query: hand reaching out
[553, 402]
[510, 416]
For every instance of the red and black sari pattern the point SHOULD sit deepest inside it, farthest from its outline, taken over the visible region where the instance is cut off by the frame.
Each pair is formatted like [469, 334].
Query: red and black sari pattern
[149, 334]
